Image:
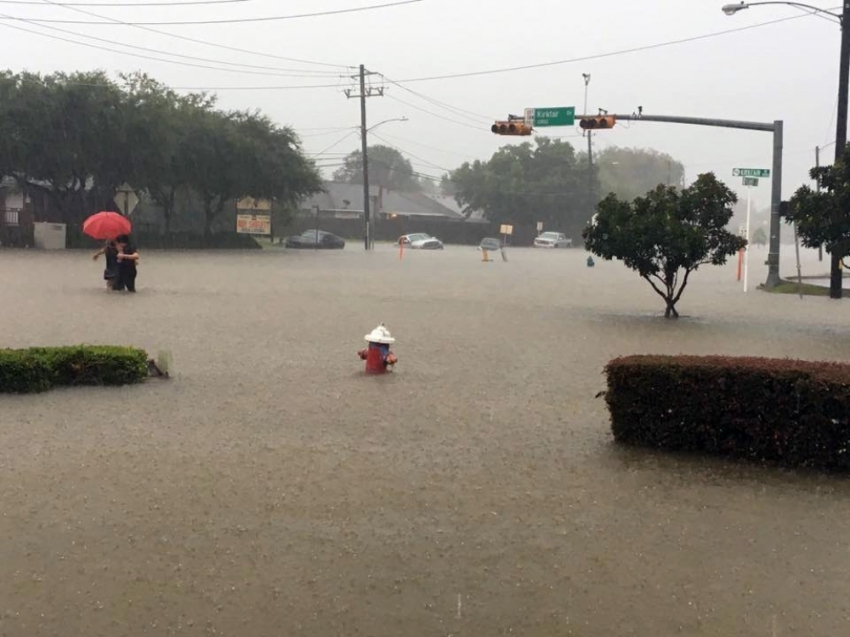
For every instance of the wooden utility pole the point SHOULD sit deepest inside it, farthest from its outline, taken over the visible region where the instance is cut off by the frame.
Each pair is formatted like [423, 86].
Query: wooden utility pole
[365, 91]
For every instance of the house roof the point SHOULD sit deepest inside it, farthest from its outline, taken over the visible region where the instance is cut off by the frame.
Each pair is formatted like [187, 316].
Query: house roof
[401, 203]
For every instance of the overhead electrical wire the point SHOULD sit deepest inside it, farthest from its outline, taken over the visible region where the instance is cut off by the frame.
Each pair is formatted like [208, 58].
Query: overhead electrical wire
[157, 59]
[405, 152]
[432, 113]
[456, 110]
[598, 56]
[278, 18]
[281, 72]
[179, 37]
[129, 5]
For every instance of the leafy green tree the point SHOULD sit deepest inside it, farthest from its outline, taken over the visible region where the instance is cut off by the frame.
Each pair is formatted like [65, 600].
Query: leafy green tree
[65, 136]
[527, 183]
[630, 172]
[667, 234]
[759, 237]
[823, 218]
[387, 168]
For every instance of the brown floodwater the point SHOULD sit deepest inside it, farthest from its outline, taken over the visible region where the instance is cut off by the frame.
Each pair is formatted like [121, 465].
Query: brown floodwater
[270, 488]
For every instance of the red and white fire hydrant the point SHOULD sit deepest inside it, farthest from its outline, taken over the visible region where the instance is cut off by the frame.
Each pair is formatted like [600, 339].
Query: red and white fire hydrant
[379, 359]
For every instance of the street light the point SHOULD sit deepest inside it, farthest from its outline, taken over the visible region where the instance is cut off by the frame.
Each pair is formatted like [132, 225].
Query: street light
[835, 273]
[386, 121]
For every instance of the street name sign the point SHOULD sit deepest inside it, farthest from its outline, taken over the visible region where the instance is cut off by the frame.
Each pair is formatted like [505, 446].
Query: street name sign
[554, 116]
[751, 172]
[751, 181]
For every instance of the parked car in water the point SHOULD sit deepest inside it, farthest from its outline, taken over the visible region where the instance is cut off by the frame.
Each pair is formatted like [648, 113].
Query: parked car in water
[315, 240]
[420, 241]
[490, 244]
[553, 240]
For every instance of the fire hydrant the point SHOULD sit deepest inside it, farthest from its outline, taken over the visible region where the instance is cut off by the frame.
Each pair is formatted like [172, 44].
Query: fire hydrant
[379, 359]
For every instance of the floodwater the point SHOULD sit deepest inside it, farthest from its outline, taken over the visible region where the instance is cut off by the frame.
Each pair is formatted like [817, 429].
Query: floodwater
[271, 489]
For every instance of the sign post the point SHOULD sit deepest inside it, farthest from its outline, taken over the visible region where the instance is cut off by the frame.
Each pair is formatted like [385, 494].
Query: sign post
[554, 116]
[750, 179]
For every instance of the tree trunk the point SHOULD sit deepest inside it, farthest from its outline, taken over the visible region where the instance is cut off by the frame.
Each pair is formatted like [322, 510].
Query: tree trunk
[671, 312]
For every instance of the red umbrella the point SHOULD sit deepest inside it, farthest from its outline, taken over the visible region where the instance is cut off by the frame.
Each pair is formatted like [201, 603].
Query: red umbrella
[106, 225]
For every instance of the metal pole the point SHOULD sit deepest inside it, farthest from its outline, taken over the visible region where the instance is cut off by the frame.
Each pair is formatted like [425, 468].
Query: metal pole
[817, 186]
[774, 127]
[589, 135]
[365, 150]
[773, 278]
[316, 211]
[835, 274]
[747, 237]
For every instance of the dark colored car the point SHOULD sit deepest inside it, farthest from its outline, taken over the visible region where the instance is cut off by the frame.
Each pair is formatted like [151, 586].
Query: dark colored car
[490, 244]
[315, 239]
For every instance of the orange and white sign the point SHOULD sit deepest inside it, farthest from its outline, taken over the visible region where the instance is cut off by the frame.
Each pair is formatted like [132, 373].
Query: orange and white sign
[254, 224]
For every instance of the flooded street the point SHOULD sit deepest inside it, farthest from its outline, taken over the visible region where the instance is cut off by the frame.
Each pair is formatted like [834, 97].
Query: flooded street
[272, 489]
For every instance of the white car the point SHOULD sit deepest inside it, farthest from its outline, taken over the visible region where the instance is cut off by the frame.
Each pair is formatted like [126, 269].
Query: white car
[421, 241]
[553, 240]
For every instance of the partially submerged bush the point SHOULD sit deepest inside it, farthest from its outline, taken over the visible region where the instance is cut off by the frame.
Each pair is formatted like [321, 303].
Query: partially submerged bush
[796, 413]
[40, 368]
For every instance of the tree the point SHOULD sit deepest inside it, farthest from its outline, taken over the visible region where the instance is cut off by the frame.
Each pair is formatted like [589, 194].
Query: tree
[525, 183]
[387, 168]
[65, 135]
[759, 237]
[823, 218]
[630, 172]
[667, 234]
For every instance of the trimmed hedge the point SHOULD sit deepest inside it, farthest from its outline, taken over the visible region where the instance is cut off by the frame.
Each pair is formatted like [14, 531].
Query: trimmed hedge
[795, 413]
[39, 368]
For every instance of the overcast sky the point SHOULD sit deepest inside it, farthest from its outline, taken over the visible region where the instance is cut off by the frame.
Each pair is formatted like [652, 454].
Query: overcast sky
[786, 70]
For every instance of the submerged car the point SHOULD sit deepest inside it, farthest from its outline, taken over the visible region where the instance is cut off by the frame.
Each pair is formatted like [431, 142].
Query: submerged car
[420, 241]
[553, 240]
[490, 244]
[315, 240]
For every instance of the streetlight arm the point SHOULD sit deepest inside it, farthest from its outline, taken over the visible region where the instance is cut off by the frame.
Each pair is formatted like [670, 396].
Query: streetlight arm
[732, 9]
[386, 121]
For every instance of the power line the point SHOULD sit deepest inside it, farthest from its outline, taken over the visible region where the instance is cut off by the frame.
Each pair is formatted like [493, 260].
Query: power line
[297, 16]
[130, 4]
[637, 49]
[471, 116]
[117, 21]
[283, 72]
[158, 59]
[434, 148]
[404, 152]
[433, 114]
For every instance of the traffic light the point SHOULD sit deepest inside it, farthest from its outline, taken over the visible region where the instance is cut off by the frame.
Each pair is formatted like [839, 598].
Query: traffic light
[511, 127]
[600, 122]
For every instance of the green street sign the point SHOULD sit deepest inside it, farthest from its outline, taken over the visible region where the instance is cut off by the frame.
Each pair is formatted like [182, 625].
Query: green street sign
[751, 172]
[751, 181]
[556, 116]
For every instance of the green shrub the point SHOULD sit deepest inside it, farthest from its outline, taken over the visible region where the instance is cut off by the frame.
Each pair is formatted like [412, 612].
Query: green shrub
[40, 368]
[796, 413]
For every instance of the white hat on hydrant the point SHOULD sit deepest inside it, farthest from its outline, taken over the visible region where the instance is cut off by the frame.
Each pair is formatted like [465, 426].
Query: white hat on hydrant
[380, 335]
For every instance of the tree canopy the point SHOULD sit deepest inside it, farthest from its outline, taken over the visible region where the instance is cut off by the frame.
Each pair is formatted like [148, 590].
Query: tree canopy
[667, 234]
[823, 218]
[631, 172]
[527, 183]
[76, 137]
[387, 168]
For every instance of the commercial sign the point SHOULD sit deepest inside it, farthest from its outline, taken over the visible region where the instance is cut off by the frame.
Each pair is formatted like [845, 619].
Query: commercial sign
[506, 229]
[249, 203]
[254, 224]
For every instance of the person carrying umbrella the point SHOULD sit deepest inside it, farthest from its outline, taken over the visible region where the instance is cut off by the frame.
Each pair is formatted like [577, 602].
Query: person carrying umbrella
[107, 226]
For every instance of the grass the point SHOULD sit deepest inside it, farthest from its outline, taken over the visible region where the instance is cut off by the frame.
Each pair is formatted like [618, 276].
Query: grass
[793, 287]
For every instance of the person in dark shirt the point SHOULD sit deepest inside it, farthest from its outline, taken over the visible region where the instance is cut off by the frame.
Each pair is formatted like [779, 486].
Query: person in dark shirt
[110, 273]
[127, 258]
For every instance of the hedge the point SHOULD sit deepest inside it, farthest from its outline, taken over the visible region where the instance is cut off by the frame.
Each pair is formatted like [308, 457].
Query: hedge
[39, 368]
[791, 412]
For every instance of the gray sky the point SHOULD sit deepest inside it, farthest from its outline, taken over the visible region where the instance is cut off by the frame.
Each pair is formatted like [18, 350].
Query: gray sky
[786, 70]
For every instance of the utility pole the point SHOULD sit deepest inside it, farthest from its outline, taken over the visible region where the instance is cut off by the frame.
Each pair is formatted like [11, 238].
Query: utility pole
[365, 92]
[817, 185]
[589, 135]
[836, 279]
